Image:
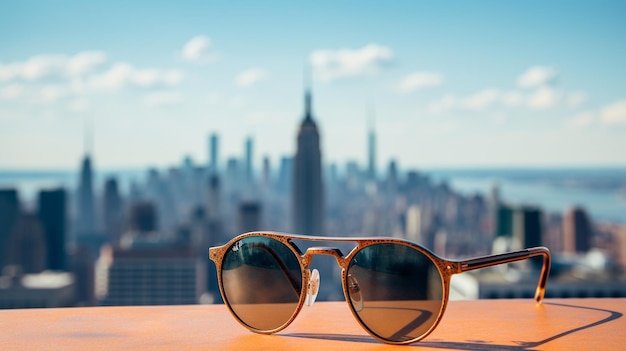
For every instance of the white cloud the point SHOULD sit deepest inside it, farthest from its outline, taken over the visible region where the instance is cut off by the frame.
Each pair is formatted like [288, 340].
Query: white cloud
[251, 76]
[144, 78]
[35, 94]
[513, 98]
[41, 66]
[161, 98]
[418, 80]
[481, 100]
[536, 76]
[172, 76]
[610, 115]
[576, 99]
[476, 102]
[112, 79]
[9, 71]
[334, 64]
[46, 65]
[84, 62]
[448, 102]
[614, 113]
[198, 49]
[583, 119]
[53, 93]
[123, 74]
[543, 98]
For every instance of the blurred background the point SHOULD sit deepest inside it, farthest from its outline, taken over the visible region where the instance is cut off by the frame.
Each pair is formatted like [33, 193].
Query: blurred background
[134, 135]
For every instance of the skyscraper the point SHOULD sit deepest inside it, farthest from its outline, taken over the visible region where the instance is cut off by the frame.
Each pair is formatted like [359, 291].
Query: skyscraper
[285, 175]
[143, 217]
[9, 212]
[27, 246]
[267, 172]
[214, 210]
[371, 152]
[249, 161]
[249, 216]
[233, 176]
[213, 198]
[213, 152]
[308, 192]
[527, 227]
[392, 177]
[86, 224]
[517, 227]
[504, 221]
[112, 209]
[156, 274]
[52, 215]
[577, 231]
[414, 224]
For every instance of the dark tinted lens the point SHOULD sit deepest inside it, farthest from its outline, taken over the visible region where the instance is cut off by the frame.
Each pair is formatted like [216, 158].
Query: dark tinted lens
[262, 282]
[395, 290]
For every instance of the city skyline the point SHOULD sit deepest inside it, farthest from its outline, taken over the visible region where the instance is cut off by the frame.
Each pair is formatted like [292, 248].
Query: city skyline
[159, 229]
[543, 82]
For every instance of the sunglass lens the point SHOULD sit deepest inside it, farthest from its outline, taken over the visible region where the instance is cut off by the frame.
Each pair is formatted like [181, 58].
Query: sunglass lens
[262, 282]
[395, 290]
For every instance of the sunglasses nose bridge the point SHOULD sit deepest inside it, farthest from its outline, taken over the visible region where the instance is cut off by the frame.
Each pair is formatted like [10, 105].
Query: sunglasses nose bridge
[329, 251]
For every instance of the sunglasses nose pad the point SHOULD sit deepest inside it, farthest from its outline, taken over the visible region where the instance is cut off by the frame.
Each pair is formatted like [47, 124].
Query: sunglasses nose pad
[354, 290]
[313, 288]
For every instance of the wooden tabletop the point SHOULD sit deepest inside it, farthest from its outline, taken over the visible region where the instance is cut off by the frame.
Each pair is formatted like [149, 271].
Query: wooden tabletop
[567, 324]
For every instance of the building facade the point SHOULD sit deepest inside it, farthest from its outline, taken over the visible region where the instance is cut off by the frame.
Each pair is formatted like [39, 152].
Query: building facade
[52, 214]
[149, 275]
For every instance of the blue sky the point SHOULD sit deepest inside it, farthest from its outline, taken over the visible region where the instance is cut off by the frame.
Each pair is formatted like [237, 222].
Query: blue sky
[451, 84]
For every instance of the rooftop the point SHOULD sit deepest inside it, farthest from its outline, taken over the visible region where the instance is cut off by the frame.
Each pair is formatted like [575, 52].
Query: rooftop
[567, 324]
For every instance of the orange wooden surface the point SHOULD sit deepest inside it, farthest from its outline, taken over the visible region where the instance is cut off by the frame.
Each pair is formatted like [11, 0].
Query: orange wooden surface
[558, 324]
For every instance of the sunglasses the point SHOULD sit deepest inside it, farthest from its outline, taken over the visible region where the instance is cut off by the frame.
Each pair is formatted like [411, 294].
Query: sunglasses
[396, 289]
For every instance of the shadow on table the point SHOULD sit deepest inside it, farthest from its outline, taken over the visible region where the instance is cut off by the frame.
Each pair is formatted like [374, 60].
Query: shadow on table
[474, 345]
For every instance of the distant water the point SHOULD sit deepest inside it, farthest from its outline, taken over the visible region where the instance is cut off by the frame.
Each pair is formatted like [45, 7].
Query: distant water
[29, 183]
[600, 191]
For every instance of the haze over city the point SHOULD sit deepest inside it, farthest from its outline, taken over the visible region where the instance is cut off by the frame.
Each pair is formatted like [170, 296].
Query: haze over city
[470, 85]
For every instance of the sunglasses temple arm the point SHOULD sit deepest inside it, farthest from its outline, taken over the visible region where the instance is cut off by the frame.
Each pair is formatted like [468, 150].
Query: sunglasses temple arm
[493, 260]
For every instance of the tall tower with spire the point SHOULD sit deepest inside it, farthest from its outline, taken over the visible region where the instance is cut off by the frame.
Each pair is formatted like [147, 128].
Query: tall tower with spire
[213, 153]
[308, 191]
[86, 221]
[371, 148]
[249, 161]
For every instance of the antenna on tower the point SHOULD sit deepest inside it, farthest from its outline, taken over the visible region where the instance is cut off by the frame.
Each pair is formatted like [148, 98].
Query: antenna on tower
[371, 142]
[308, 87]
[308, 76]
[371, 116]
